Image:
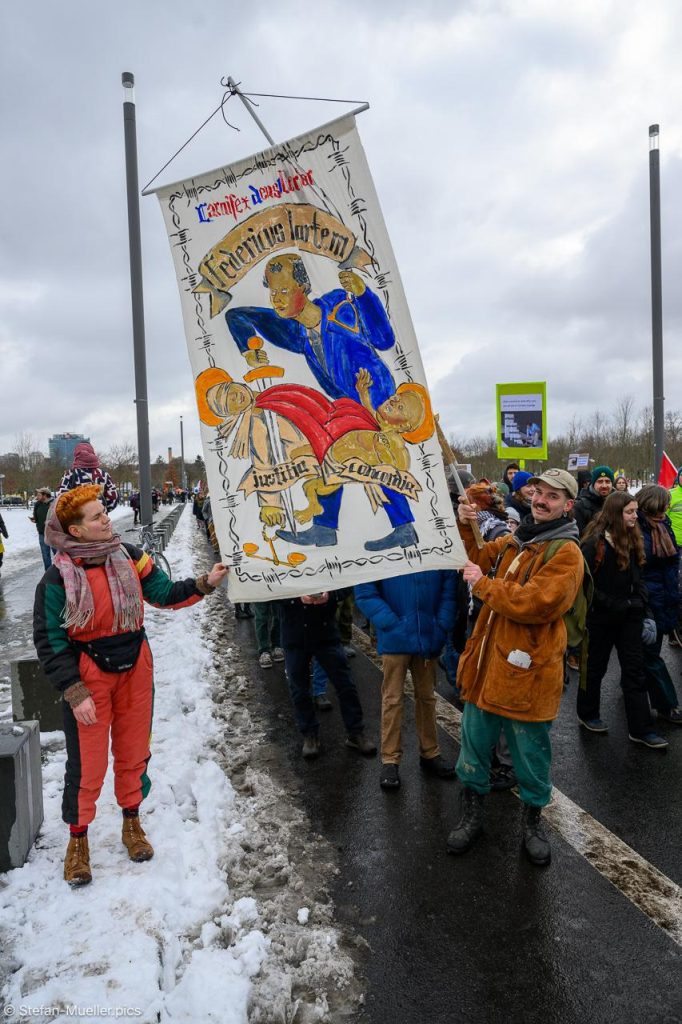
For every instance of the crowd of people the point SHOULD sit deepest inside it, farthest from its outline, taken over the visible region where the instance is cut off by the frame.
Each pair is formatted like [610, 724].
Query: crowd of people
[560, 571]
[569, 570]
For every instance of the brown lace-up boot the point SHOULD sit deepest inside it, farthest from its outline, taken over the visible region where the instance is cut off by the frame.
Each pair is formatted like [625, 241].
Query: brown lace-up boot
[134, 839]
[77, 861]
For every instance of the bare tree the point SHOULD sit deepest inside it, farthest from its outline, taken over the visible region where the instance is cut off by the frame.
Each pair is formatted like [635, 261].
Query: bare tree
[121, 463]
[596, 426]
[24, 447]
[673, 428]
[574, 432]
[32, 463]
[623, 418]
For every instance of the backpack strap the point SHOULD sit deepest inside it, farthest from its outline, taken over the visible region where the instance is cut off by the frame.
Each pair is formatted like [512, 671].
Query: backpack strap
[587, 588]
[498, 561]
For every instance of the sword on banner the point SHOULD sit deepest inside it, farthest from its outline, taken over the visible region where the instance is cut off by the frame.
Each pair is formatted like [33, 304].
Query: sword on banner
[261, 377]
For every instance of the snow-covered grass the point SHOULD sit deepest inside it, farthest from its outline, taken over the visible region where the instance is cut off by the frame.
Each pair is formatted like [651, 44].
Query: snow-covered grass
[214, 928]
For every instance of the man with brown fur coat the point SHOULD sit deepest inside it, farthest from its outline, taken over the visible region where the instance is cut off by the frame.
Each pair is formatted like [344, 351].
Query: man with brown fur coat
[512, 669]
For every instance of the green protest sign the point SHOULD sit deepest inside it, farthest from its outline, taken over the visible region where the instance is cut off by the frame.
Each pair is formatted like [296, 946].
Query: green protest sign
[521, 411]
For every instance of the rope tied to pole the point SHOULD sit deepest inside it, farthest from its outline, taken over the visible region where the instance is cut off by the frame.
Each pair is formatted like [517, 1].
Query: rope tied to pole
[232, 88]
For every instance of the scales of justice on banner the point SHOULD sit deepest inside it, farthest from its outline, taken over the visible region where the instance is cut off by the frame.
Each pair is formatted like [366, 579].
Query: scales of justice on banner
[261, 377]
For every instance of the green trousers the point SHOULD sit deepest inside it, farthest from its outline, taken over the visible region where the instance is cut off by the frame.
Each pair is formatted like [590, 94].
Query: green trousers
[266, 616]
[529, 746]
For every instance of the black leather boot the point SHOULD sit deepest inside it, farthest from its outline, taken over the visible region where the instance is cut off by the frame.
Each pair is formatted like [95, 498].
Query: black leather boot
[535, 842]
[470, 824]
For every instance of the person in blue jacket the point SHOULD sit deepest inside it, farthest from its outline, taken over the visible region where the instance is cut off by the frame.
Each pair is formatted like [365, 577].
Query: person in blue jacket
[339, 334]
[413, 614]
[660, 573]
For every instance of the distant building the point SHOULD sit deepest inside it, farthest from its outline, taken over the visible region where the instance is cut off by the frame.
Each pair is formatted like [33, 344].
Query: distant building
[62, 447]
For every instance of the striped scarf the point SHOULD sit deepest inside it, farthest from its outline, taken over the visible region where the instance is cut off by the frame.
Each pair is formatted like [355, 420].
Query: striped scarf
[662, 544]
[121, 577]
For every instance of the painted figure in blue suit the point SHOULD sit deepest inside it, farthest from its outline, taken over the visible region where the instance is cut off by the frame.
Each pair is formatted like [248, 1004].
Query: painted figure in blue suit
[338, 334]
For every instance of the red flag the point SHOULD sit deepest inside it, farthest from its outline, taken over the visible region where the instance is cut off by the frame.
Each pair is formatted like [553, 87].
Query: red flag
[668, 474]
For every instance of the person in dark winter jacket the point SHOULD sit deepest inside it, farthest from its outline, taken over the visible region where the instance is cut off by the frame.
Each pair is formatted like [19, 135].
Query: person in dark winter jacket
[661, 575]
[590, 502]
[584, 480]
[521, 493]
[508, 476]
[308, 629]
[412, 614]
[40, 509]
[675, 513]
[88, 629]
[86, 469]
[614, 551]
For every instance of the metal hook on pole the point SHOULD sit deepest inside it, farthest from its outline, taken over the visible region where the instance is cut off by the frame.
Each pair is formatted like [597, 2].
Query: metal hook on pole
[236, 91]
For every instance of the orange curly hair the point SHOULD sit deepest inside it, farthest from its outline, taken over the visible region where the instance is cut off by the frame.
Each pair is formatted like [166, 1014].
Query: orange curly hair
[70, 504]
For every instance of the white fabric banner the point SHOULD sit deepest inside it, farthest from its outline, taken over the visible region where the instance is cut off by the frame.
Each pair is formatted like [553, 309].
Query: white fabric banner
[322, 461]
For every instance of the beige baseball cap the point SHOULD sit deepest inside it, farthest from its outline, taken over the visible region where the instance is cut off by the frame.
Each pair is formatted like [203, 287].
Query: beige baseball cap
[559, 478]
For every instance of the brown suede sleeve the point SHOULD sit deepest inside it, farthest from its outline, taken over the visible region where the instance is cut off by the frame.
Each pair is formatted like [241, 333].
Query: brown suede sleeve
[76, 694]
[486, 556]
[202, 584]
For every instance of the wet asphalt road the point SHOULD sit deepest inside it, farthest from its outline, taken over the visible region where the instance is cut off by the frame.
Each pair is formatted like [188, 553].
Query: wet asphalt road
[487, 937]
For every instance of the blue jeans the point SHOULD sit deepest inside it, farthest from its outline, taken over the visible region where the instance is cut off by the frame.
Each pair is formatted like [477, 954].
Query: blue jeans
[662, 692]
[319, 679]
[450, 659]
[334, 663]
[46, 551]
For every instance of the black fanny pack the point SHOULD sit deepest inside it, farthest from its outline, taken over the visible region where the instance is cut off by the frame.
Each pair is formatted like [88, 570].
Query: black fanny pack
[114, 653]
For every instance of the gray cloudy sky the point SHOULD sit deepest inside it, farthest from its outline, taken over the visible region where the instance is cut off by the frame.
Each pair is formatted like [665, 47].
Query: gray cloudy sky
[508, 143]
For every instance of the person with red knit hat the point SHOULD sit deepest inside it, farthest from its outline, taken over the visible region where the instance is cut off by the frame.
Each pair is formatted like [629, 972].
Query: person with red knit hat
[86, 469]
[88, 629]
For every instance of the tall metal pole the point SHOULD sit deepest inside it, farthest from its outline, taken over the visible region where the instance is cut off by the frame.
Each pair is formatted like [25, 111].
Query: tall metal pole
[656, 297]
[137, 296]
[235, 89]
[182, 457]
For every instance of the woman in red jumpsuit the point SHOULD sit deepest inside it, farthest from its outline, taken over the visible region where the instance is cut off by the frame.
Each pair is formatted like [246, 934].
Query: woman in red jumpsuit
[88, 628]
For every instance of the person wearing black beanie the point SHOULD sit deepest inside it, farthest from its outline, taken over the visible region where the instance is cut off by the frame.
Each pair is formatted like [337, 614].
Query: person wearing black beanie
[590, 501]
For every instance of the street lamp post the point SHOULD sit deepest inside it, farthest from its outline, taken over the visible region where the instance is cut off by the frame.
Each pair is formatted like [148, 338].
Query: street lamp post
[137, 296]
[182, 458]
[656, 297]
[2, 493]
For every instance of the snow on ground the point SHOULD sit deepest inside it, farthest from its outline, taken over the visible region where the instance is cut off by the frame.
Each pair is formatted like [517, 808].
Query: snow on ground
[231, 920]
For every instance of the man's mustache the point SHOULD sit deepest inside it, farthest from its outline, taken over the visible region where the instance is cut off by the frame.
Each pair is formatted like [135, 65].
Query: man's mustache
[543, 508]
